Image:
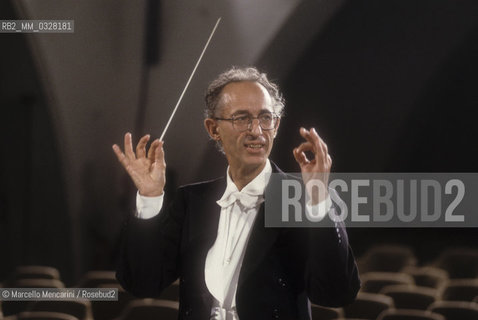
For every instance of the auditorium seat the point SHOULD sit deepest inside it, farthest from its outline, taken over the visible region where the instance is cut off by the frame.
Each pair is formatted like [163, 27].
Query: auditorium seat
[386, 258]
[81, 309]
[427, 276]
[36, 272]
[171, 292]
[107, 310]
[460, 290]
[32, 272]
[14, 307]
[324, 313]
[43, 315]
[459, 262]
[368, 306]
[350, 319]
[39, 283]
[373, 282]
[455, 310]
[150, 309]
[93, 279]
[404, 314]
[410, 296]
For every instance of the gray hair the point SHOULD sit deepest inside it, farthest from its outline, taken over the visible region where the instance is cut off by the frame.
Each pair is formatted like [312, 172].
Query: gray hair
[236, 74]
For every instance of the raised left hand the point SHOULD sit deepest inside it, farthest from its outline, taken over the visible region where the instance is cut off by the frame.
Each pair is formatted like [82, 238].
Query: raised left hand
[316, 168]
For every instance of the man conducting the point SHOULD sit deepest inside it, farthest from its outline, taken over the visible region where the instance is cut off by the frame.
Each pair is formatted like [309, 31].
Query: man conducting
[212, 236]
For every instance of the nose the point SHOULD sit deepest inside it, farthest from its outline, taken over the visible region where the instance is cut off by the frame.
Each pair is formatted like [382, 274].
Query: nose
[255, 126]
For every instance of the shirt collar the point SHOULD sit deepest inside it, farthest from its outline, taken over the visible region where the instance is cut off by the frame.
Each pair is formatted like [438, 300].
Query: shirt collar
[256, 187]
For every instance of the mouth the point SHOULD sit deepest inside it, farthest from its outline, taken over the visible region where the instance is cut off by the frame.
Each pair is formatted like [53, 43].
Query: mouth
[254, 145]
[255, 148]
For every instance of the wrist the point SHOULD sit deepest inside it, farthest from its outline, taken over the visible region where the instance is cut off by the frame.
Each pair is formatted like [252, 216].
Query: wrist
[151, 194]
[317, 198]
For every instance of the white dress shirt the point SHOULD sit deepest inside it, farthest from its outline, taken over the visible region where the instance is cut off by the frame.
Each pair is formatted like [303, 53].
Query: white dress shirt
[223, 263]
[224, 259]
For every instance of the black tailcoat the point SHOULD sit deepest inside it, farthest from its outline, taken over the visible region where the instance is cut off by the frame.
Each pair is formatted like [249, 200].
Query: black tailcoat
[282, 267]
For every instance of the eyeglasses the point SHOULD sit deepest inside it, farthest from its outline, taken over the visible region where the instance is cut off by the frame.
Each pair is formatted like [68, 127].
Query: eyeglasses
[243, 122]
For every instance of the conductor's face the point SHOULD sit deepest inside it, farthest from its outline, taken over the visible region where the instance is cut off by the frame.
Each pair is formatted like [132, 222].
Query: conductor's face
[245, 124]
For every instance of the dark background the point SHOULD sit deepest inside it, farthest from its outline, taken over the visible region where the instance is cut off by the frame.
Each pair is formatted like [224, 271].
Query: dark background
[391, 86]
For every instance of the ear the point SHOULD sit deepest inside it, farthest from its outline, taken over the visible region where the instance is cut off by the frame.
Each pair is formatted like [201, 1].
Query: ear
[212, 128]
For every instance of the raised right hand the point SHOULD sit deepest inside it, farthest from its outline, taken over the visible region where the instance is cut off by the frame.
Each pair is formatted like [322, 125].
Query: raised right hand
[147, 172]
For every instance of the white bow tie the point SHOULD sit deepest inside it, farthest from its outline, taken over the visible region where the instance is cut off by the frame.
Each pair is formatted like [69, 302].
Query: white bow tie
[246, 200]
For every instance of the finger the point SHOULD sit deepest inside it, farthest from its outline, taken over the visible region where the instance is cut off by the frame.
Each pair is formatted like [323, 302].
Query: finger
[321, 147]
[120, 155]
[319, 151]
[152, 150]
[117, 150]
[141, 146]
[310, 135]
[321, 155]
[160, 154]
[312, 138]
[305, 146]
[128, 146]
[159, 162]
[300, 157]
[329, 158]
[322, 144]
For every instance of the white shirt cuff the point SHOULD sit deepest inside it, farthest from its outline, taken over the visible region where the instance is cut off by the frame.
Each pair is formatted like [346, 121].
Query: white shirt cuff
[319, 210]
[148, 207]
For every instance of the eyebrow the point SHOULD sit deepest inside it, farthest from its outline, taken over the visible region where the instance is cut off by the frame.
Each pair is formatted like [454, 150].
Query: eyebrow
[247, 112]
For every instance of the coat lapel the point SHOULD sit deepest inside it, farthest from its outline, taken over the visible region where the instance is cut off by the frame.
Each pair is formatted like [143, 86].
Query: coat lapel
[205, 226]
[260, 240]
[206, 212]
[259, 243]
